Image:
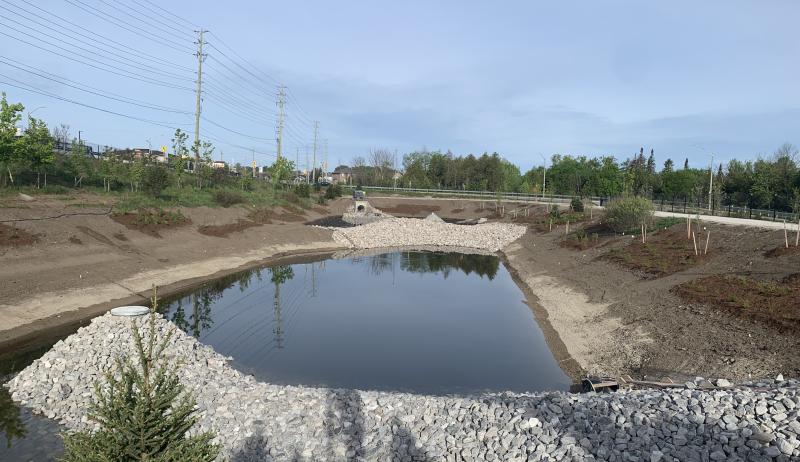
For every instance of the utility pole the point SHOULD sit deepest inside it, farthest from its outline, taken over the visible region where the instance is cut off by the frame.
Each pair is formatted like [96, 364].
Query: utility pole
[198, 103]
[710, 183]
[281, 113]
[278, 331]
[325, 158]
[297, 159]
[308, 172]
[314, 163]
[254, 163]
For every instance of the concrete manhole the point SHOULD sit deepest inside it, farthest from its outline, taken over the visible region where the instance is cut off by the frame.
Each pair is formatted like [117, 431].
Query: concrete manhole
[130, 311]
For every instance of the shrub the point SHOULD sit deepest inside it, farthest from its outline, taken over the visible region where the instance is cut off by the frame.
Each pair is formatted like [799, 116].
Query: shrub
[227, 198]
[146, 217]
[628, 213]
[143, 410]
[303, 190]
[333, 192]
[291, 197]
[555, 213]
[321, 200]
[576, 204]
[154, 179]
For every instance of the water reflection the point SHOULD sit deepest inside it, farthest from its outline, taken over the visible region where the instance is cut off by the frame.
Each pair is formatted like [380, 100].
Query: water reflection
[384, 322]
[10, 421]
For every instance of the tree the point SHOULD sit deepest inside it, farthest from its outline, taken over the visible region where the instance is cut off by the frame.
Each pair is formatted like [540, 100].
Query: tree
[180, 152]
[10, 143]
[280, 170]
[38, 147]
[144, 411]
[381, 161]
[155, 179]
[78, 163]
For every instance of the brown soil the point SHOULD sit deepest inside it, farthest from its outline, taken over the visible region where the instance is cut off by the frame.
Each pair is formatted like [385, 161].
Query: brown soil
[261, 216]
[120, 237]
[412, 209]
[11, 236]
[75, 240]
[774, 303]
[664, 253]
[226, 229]
[133, 221]
[782, 250]
[458, 210]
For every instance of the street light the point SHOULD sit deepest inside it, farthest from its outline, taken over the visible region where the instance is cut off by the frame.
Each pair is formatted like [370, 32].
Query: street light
[31, 113]
[710, 176]
[544, 176]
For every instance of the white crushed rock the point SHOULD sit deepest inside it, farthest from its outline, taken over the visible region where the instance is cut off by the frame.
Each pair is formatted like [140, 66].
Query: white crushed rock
[260, 421]
[406, 232]
[434, 218]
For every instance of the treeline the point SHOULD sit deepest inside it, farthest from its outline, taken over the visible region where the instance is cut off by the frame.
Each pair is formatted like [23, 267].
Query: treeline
[770, 182]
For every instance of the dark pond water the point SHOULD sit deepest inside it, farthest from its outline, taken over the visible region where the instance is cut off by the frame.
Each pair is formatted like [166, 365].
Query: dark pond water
[425, 322]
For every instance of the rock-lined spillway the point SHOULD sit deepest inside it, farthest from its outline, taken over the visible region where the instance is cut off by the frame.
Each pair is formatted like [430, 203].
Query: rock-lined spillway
[403, 232]
[261, 421]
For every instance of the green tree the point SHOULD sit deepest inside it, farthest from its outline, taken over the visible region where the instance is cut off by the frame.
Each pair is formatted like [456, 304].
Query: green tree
[78, 164]
[143, 410]
[280, 170]
[180, 153]
[155, 179]
[10, 143]
[38, 147]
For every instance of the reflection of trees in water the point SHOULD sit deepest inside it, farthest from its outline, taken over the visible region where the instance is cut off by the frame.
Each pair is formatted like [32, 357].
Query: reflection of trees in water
[200, 302]
[435, 262]
[279, 275]
[10, 421]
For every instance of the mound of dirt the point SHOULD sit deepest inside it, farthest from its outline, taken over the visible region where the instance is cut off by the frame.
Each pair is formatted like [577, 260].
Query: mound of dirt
[11, 236]
[781, 251]
[226, 229]
[773, 303]
[412, 209]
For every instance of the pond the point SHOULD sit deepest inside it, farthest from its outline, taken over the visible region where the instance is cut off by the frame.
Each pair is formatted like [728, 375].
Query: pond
[423, 322]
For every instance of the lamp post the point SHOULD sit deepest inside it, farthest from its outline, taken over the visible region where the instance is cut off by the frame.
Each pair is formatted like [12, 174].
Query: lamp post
[544, 176]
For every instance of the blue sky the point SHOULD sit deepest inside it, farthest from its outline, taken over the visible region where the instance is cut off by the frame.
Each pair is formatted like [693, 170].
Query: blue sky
[517, 77]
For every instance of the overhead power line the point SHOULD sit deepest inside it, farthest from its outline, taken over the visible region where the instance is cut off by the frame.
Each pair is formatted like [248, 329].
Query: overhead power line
[22, 86]
[87, 89]
[119, 23]
[124, 60]
[112, 71]
[148, 20]
[107, 41]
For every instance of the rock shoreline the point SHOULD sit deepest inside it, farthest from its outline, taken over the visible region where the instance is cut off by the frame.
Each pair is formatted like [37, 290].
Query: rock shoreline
[405, 232]
[261, 421]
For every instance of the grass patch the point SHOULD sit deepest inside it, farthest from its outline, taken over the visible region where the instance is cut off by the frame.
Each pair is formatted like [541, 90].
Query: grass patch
[151, 220]
[773, 303]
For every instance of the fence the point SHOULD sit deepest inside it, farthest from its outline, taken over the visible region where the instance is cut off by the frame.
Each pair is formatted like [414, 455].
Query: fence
[660, 205]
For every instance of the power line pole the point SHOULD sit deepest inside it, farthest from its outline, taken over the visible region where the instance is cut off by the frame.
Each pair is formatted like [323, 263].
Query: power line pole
[297, 158]
[314, 163]
[281, 113]
[325, 158]
[308, 172]
[254, 163]
[200, 58]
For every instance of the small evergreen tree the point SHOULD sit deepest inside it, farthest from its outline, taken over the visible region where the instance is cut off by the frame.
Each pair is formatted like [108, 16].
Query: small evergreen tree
[144, 414]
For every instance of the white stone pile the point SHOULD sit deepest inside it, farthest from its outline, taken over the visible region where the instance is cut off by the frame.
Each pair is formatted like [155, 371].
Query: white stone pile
[260, 421]
[405, 232]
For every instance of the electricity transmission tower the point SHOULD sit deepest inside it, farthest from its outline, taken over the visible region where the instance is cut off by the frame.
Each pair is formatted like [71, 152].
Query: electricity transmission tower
[281, 113]
[314, 163]
[200, 58]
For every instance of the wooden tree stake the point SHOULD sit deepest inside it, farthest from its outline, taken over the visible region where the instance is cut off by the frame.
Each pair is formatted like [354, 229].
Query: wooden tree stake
[694, 239]
[708, 237]
[785, 234]
[797, 238]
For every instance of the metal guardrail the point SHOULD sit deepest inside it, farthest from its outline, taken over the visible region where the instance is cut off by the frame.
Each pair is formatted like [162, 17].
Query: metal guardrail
[663, 206]
[485, 195]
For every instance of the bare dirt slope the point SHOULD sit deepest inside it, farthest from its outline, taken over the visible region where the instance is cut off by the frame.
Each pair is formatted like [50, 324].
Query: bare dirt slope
[87, 258]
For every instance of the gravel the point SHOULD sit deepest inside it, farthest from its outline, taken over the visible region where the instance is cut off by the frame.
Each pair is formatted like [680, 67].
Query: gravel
[405, 232]
[261, 421]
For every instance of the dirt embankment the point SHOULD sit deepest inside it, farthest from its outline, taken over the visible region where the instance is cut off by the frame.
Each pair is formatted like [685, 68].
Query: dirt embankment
[55, 271]
[658, 309]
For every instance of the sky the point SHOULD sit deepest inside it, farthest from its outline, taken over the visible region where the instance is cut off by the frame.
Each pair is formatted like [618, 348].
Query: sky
[525, 79]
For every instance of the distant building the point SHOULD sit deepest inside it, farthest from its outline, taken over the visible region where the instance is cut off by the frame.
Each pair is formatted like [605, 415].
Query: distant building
[139, 153]
[341, 174]
[220, 164]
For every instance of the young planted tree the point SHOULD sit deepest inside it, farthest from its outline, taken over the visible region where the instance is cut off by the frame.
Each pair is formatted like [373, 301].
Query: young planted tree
[180, 152]
[38, 147]
[280, 170]
[143, 410]
[79, 164]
